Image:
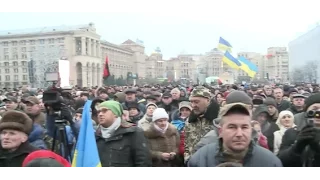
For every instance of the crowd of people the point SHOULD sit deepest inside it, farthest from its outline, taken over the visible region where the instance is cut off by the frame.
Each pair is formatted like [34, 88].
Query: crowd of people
[168, 126]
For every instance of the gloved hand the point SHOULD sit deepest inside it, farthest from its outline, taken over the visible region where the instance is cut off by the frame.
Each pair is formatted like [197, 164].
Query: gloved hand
[304, 138]
[315, 143]
[66, 114]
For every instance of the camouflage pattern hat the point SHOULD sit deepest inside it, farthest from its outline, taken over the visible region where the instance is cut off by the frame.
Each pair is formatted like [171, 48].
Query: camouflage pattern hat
[201, 91]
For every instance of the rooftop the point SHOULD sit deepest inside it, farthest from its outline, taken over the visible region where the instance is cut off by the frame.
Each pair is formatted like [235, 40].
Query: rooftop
[49, 29]
[115, 46]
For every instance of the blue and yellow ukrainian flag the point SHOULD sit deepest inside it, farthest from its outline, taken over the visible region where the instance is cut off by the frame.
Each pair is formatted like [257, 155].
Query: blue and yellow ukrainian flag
[248, 67]
[231, 61]
[224, 45]
[86, 152]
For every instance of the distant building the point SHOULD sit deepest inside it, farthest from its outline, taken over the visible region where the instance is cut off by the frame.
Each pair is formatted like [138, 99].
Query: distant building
[277, 64]
[81, 45]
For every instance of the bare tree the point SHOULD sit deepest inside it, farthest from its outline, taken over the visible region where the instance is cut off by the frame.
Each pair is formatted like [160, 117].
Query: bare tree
[298, 75]
[310, 71]
[307, 73]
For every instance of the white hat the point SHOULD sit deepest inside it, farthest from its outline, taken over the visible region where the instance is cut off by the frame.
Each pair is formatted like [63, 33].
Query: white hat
[159, 113]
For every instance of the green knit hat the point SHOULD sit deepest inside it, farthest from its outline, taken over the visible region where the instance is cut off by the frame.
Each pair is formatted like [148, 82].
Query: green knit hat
[114, 106]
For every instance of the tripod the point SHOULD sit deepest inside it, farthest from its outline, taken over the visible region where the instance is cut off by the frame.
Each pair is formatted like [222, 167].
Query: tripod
[62, 139]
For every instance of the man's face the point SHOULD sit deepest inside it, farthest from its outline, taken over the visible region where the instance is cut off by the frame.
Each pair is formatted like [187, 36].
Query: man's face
[175, 95]
[130, 97]
[199, 104]
[32, 108]
[85, 98]
[12, 139]
[10, 105]
[166, 100]
[298, 102]
[236, 132]
[104, 95]
[105, 117]
[278, 93]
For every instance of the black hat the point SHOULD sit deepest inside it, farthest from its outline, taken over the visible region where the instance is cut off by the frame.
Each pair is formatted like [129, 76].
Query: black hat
[131, 90]
[313, 99]
[166, 95]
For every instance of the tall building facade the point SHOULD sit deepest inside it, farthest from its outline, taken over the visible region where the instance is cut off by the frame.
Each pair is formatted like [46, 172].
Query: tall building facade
[81, 45]
[305, 50]
[277, 64]
[155, 66]
[182, 67]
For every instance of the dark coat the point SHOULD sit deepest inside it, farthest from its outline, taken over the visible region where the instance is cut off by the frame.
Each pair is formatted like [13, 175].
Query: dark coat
[289, 157]
[127, 147]
[16, 158]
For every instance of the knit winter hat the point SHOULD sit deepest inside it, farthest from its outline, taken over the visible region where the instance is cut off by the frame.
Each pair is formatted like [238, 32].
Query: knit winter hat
[151, 104]
[159, 113]
[313, 99]
[113, 106]
[16, 120]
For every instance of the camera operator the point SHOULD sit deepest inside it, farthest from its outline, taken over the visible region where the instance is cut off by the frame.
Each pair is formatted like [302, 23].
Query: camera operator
[300, 145]
[58, 114]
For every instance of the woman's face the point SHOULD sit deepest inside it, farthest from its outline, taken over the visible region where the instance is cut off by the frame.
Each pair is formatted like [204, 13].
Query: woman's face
[150, 110]
[287, 121]
[271, 110]
[257, 128]
[185, 112]
[219, 98]
[161, 123]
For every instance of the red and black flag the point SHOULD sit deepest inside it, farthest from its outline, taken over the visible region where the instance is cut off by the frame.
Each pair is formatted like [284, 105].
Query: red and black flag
[106, 72]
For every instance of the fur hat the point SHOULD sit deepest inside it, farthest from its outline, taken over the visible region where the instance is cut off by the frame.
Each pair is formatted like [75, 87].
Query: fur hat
[16, 120]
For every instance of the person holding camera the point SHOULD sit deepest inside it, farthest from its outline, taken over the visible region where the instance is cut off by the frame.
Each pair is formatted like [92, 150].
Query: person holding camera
[300, 145]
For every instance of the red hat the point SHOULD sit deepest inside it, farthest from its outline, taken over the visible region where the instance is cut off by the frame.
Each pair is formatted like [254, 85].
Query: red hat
[45, 154]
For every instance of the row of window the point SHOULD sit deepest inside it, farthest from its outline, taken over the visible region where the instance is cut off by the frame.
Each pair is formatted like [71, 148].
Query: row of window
[14, 63]
[15, 78]
[41, 41]
[15, 70]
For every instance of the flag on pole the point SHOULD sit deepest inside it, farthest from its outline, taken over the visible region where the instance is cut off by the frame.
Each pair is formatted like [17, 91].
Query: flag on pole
[106, 71]
[224, 45]
[231, 61]
[86, 152]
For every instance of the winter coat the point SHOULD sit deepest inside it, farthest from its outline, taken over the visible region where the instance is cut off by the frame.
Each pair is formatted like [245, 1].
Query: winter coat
[36, 136]
[144, 123]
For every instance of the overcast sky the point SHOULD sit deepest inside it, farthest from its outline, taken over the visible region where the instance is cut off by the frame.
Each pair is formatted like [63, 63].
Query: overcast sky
[190, 28]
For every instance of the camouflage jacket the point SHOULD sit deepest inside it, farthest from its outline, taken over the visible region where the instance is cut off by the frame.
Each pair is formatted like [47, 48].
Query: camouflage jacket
[194, 131]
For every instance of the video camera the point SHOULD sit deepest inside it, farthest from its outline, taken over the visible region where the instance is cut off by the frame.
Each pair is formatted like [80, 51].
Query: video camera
[55, 99]
[312, 114]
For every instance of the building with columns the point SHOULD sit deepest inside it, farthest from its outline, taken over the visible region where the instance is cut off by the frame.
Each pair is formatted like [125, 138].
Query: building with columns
[81, 45]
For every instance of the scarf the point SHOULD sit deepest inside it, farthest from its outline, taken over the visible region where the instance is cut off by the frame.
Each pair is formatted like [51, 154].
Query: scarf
[161, 130]
[108, 132]
[148, 118]
[179, 124]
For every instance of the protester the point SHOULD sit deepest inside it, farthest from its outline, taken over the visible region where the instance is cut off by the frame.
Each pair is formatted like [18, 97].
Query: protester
[15, 127]
[235, 143]
[120, 144]
[163, 139]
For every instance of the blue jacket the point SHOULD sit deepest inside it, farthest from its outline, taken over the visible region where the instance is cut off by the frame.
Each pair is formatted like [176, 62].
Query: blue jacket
[36, 137]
